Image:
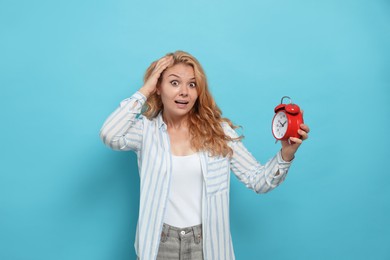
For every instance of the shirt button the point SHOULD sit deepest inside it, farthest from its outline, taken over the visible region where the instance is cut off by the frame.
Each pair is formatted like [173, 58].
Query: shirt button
[183, 233]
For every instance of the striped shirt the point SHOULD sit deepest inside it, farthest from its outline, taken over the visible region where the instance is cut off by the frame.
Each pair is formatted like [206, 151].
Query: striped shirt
[126, 129]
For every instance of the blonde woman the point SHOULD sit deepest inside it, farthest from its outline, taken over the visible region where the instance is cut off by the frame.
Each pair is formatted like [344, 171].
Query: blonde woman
[185, 152]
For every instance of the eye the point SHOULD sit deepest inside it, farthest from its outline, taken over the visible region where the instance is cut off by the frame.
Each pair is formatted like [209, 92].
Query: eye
[192, 85]
[175, 83]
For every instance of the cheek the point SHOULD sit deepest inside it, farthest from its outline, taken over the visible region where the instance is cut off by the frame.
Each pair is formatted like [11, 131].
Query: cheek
[164, 98]
[167, 91]
[195, 94]
[167, 97]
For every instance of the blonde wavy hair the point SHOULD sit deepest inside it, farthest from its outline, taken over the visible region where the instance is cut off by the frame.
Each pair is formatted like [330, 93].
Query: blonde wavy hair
[204, 119]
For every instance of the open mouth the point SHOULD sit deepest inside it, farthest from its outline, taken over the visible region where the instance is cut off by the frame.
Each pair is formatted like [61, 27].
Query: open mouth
[181, 102]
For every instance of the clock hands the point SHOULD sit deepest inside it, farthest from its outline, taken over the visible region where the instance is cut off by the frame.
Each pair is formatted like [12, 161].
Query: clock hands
[282, 124]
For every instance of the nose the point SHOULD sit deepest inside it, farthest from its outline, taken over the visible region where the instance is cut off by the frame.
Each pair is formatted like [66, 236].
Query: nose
[183, 91]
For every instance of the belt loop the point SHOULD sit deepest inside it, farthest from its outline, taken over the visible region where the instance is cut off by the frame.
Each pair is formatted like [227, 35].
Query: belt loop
[164, 233]
[197, 234]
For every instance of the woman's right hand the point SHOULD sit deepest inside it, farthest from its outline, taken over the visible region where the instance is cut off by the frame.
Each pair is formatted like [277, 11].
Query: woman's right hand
[151, 83]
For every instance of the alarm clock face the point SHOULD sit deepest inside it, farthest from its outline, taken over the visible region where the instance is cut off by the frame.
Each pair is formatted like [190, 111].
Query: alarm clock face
[279, 125]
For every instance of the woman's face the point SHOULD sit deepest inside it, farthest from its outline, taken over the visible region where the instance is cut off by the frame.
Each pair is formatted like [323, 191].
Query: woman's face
[178, 90]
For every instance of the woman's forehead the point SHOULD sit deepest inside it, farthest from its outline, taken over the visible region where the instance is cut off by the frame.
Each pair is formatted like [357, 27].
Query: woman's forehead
[180, 70]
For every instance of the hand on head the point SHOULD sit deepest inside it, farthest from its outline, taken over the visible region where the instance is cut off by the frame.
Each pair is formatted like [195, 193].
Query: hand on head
[151, 83]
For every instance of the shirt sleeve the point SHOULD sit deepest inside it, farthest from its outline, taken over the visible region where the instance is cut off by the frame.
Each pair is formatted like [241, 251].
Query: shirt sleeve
[123, 129]
[257, 177]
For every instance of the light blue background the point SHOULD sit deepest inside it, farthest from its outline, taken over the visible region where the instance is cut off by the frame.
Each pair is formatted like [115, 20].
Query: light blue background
[65, 66]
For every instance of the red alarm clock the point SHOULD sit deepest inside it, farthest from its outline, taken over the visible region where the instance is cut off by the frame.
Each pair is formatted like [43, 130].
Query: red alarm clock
[287, 120]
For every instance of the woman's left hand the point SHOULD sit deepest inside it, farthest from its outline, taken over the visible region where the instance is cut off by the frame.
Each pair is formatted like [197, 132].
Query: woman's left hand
[290, 146]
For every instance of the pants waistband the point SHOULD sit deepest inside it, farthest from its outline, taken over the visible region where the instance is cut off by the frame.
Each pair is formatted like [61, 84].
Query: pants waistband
[171, 231]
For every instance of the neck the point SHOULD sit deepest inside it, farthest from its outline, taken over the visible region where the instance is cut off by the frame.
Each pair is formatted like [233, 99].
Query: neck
[175, 122]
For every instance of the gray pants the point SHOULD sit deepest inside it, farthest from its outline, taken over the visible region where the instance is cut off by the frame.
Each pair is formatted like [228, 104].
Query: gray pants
[181, 243]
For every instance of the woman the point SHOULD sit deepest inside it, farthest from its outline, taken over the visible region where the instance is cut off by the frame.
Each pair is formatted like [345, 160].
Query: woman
[185, 152]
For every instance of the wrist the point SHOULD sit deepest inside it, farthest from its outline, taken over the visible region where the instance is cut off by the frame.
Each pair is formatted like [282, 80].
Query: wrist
[146, 92]
[287, 157]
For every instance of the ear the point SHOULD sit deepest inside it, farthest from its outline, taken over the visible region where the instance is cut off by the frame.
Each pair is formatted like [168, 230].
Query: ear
[158, 89]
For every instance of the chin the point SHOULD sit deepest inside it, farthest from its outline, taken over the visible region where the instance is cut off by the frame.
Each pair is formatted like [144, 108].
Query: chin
[183, 113]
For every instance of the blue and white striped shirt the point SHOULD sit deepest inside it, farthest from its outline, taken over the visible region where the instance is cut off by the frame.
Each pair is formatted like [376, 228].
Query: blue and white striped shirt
[126, 129]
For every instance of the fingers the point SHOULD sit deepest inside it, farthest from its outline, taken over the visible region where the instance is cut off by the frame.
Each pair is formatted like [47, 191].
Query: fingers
[296, 140]
[293, 143]
[304, 131]
[160, 65]
[305, 128]
[163, 63]
[303, 134]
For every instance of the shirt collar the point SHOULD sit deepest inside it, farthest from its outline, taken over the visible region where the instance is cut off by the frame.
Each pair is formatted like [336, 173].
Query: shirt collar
[160, 121]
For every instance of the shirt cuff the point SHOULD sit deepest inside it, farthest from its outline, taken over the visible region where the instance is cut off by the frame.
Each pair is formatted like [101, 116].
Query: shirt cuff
[138, 96]
[282, 165]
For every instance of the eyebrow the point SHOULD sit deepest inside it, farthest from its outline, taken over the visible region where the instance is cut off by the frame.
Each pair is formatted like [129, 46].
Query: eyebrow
[178, 76]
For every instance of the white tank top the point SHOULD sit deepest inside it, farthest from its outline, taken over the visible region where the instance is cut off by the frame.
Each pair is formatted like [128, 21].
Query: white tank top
[184, 206]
